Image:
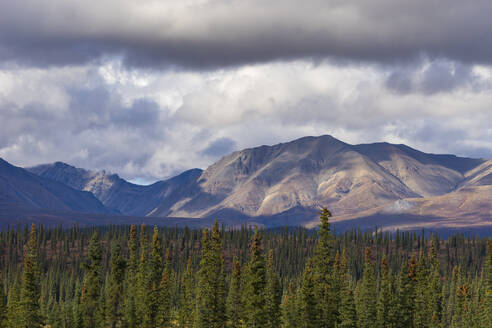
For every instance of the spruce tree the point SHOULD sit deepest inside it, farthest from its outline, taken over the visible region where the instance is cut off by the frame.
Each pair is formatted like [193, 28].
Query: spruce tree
[386, 306]
[130, 315]
[153, 300]
[434, 291]
[3, 304]
[14, 310]
[367, 295]
[234, 298]
[211, 296]
[449, 295]
[273, 294]
[406, 294]
[143, 282]
[76, 309]
[337, 282]
[422, 312]
[255, 289]
[289, 307]
[187, 299]
[30, 292]
[167, 286]
[347, 314]
[322, 271]
[104, 300]
[91, 304]
[488, 287]
[308, 316]
[461, 306]
[115, 303]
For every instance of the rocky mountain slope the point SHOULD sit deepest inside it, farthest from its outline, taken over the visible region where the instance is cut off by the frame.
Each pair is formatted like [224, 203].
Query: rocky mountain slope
[22, 189]
[286, 184]
[314, 171]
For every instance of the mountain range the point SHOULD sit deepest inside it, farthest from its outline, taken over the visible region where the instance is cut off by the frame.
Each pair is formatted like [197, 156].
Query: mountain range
[365, 185]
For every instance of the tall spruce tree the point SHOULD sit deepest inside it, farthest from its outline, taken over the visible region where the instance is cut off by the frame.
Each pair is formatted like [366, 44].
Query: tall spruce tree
[14, 310]
[31, 288]
[488, 287]
[289, 307]
[406, 292]
[255, 290]
[3, 304]
[324, 281]
[307, 310]
[211, 296]
[76, 308]
[434, 290]
[367, 295]
[234, 298]
[130, 315]
[461, 306]
[273, 294]
[91, 304]
[347, 317]
[167, 287]
[386, 300]
[338, 275]
[187, 300]
[449, 294]
[143, 281]
[421, 316]
[115, 299]
[153, 300]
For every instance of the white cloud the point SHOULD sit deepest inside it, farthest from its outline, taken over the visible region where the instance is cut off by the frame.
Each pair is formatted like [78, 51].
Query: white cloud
[149, 124]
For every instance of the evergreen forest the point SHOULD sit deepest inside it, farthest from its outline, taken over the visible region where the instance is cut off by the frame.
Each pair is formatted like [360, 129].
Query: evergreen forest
[149, 277]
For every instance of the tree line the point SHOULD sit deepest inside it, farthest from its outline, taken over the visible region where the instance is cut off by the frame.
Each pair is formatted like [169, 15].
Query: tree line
[136, 277]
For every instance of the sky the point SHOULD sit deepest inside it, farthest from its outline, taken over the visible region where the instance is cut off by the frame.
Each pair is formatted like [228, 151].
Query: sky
[148, 89]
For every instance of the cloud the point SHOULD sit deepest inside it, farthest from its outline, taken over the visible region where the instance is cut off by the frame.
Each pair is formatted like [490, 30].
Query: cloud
[146, 125]
[85, 125]
[219, 147]
[207, 34]
[434, 76]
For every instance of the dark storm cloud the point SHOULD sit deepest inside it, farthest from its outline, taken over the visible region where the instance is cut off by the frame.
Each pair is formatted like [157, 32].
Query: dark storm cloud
[209, 34]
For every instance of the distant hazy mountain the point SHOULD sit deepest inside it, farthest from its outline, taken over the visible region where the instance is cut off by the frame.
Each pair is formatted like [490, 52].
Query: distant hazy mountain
[288, 182]
[116, 193]
[22, 189]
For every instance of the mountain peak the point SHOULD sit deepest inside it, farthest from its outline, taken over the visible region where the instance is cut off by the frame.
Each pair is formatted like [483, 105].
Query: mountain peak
[61, 164]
